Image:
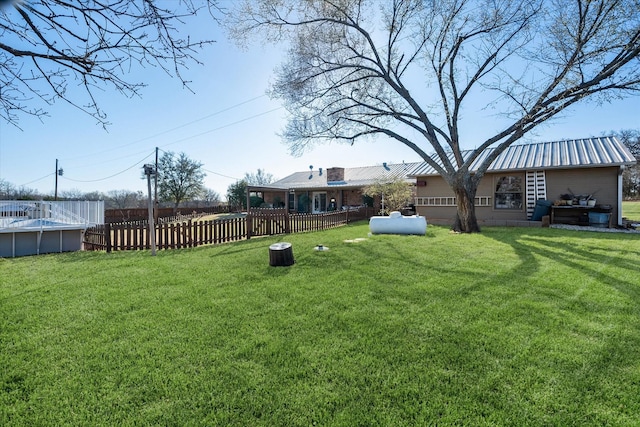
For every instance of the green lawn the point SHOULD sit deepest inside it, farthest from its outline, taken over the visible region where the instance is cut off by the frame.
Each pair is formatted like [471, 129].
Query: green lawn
[631, 210]
[513, 326]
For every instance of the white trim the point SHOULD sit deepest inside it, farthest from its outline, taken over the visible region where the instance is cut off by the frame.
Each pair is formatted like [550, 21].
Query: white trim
[448, 201]
[620, 171]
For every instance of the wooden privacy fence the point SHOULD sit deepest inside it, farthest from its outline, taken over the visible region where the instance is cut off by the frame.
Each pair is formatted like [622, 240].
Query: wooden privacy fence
[268, 222]
[137, 214]
[175, 235]
[190, 233]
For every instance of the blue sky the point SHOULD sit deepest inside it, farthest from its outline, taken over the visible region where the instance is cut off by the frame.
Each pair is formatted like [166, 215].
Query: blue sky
[229, 125]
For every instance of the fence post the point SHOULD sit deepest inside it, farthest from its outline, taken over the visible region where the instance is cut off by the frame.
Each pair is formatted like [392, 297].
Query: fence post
[287, 222]
[249, 224]
[270, 220]
[107, 236]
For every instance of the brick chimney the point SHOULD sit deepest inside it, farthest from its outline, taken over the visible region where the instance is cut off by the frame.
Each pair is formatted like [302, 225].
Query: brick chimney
[335, 174]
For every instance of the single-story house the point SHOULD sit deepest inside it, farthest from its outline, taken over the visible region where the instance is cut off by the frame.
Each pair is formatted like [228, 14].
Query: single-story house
[524, 173]
[509, 191]
[329, 189]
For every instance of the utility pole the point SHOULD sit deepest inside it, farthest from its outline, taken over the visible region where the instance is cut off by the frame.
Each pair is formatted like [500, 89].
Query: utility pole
[58, 173]
[148, 171]
[156, 204]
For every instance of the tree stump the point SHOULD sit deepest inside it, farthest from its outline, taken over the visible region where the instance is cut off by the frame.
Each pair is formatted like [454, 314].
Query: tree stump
[281, 255]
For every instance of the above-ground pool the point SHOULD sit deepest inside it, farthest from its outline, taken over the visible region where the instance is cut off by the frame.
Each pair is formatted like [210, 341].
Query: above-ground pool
[20, 237]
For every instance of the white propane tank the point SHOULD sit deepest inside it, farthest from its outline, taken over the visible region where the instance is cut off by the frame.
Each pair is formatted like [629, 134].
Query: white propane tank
[395, 223]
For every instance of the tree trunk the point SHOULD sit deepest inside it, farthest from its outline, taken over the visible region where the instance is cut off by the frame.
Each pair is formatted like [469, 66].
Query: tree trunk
[466, 221]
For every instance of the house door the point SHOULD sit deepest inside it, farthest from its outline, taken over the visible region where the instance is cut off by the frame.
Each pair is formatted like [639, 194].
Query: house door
[319, 202]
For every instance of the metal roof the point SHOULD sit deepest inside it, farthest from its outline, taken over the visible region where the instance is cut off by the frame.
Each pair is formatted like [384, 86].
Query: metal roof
[573, 153]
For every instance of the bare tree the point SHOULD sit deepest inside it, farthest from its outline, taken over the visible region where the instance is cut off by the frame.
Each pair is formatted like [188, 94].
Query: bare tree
[412, 70]
[123, 199]
[47, 44]
[259, 178]
[93, 196]
[211, 197]
[7, 190]
[27, 193]
[72, 194]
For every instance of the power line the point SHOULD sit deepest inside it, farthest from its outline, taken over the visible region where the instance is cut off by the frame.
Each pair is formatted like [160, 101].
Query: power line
[172, 129]
[116, 174]
[222, 127]
[207, 170]
[36, 180]
[171, 143]
[183, 139]
[137, 153]
[219, 174]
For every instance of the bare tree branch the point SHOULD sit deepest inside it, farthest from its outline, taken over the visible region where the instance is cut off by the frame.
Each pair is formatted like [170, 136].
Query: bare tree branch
[47, 44]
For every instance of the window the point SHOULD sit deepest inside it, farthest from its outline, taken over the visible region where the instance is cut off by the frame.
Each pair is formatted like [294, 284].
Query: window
[367, 201]
[508, 193]
[292, 201]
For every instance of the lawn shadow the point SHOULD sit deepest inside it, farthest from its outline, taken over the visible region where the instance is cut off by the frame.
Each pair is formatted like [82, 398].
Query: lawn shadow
[423, 260]
[583, 257]
[609, 325]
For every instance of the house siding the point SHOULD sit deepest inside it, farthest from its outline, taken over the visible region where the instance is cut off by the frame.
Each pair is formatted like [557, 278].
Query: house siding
[352, 197]
[601, 181]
